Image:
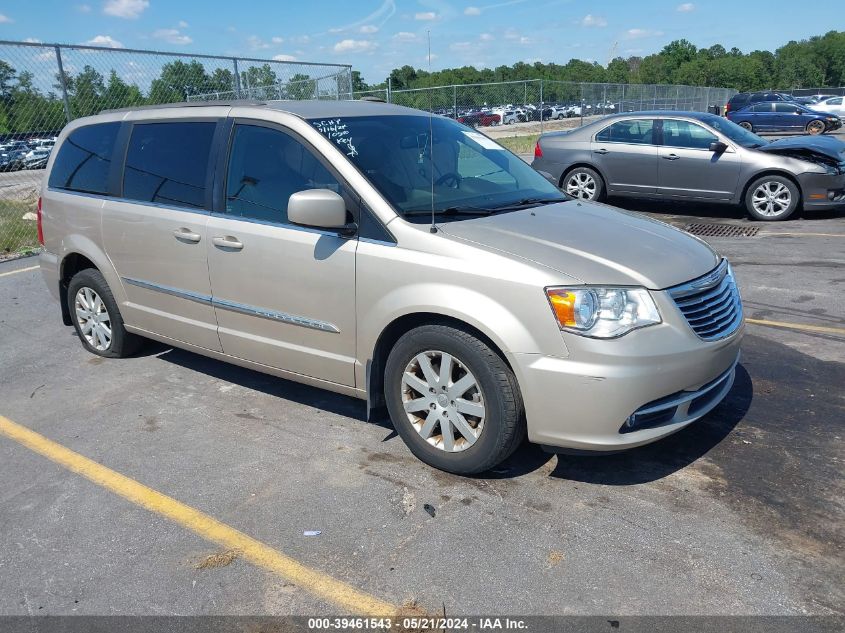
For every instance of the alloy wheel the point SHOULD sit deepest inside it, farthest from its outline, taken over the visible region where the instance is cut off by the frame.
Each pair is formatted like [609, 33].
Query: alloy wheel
[815, 127]
[771, 198]
[93, 318]
[443, 401]
[581, 185]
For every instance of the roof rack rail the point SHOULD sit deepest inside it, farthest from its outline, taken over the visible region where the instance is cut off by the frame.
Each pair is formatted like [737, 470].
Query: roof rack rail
[190, 104]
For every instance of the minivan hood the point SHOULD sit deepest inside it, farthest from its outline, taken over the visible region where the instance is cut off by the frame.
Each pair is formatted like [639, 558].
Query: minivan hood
[800, 146]
[593, 243]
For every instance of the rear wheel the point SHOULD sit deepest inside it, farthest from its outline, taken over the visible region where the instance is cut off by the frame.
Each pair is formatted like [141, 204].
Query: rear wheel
[96, 318]
[815, 127]
[772, 198]
[747, 126]
[453, 400]
[584, 183]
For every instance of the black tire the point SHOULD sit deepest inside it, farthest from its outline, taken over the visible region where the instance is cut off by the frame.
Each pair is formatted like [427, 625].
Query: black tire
[504, 420]
[774, 181]
[747, 126]
[599, 193]
[122, 343]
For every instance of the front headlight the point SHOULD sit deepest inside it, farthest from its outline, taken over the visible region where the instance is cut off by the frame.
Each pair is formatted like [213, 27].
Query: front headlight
[602, 312]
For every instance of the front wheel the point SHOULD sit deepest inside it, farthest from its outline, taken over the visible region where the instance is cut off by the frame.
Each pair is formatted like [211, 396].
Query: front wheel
[772, 198]
[815, 128]
[453, 400]
[584, 183]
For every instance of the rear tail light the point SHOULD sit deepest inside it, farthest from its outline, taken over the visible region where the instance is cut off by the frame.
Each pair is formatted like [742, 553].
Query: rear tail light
[538, 151]
[727, 108]
[40, 226]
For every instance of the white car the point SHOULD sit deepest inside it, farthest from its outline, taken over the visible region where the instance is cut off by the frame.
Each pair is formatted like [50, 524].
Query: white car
[507, 116]
[834, 105]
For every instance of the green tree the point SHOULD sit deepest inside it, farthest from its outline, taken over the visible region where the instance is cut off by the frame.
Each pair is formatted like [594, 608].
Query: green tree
[178, 80]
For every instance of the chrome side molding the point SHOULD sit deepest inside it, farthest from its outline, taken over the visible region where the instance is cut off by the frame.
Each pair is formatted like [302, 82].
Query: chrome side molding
[232, 306]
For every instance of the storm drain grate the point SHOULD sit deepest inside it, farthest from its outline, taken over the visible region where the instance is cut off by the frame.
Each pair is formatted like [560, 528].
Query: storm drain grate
[721, 230]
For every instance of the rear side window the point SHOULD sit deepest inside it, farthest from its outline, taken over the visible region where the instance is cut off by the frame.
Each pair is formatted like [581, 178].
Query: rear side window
[761, 107]
[834, 101]
[167, 163]
[638, 131]
[84, 159]
[786, 107]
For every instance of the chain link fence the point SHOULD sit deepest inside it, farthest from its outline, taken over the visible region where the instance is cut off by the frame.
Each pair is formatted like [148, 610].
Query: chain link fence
[810, 92]
[42, 87]
[534, 106]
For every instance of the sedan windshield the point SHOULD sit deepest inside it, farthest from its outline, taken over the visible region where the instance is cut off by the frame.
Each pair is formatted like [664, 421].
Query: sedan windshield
[736, 133]
[467, 174]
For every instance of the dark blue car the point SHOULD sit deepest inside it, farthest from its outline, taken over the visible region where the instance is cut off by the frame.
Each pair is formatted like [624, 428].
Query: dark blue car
[784, 116]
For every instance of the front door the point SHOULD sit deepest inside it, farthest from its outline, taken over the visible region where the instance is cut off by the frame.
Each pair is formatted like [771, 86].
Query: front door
[688, 169]
[284, 295]
[155, 233]
[626, 154]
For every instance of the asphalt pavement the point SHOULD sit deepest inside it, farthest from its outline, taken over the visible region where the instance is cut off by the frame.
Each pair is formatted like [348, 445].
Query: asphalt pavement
[741, 513]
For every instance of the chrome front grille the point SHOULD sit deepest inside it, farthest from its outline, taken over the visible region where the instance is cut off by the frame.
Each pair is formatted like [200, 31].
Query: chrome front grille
[711, 304]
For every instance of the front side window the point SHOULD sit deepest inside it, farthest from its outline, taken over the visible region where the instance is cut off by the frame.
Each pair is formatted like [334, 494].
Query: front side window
[84, 159]
[267, 166]
[167, 163]
[687, 135]
[834, 102]
[734, 132]
[638, 131]
[468, 173]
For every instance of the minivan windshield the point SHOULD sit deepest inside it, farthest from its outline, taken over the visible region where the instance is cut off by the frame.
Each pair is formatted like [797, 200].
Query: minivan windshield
[736, 133]
[467, 173]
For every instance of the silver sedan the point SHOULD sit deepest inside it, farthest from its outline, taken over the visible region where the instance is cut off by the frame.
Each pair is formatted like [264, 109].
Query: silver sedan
[694, 156]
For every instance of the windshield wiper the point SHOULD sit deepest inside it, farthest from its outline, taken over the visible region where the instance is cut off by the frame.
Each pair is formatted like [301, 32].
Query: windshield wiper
[528, 202]
[450, 211]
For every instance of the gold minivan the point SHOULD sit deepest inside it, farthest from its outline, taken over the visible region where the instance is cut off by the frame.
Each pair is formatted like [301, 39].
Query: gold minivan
[393, 256]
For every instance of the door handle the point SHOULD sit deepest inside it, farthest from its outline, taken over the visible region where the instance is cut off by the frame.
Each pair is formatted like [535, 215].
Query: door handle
[671, 157]
[600, 151]
[185, 234]
[229, 242]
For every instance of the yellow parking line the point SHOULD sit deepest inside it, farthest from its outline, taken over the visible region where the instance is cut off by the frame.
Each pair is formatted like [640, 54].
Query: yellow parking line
[318, 583]
[19, 270]
[798, 326]
[776, 233]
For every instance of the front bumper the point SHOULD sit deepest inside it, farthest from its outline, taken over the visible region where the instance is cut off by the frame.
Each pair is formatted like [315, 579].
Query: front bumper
[822, 191]
[663, 376]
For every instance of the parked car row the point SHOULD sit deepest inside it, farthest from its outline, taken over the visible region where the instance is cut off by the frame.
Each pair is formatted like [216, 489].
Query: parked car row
[31, 154]
[508, 114]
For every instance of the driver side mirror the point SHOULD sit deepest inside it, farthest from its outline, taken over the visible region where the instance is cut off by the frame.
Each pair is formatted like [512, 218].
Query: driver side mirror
[798, 111]
[320, 208]
[718, 147]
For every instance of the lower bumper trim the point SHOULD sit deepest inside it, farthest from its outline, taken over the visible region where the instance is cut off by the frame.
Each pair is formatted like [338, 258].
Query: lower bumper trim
[684, 406]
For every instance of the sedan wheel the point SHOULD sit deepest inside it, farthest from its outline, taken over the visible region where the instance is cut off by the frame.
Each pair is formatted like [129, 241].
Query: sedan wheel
[582, 185]
[815, 127]
[772, 198]
[747, 126]
[93, 319]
